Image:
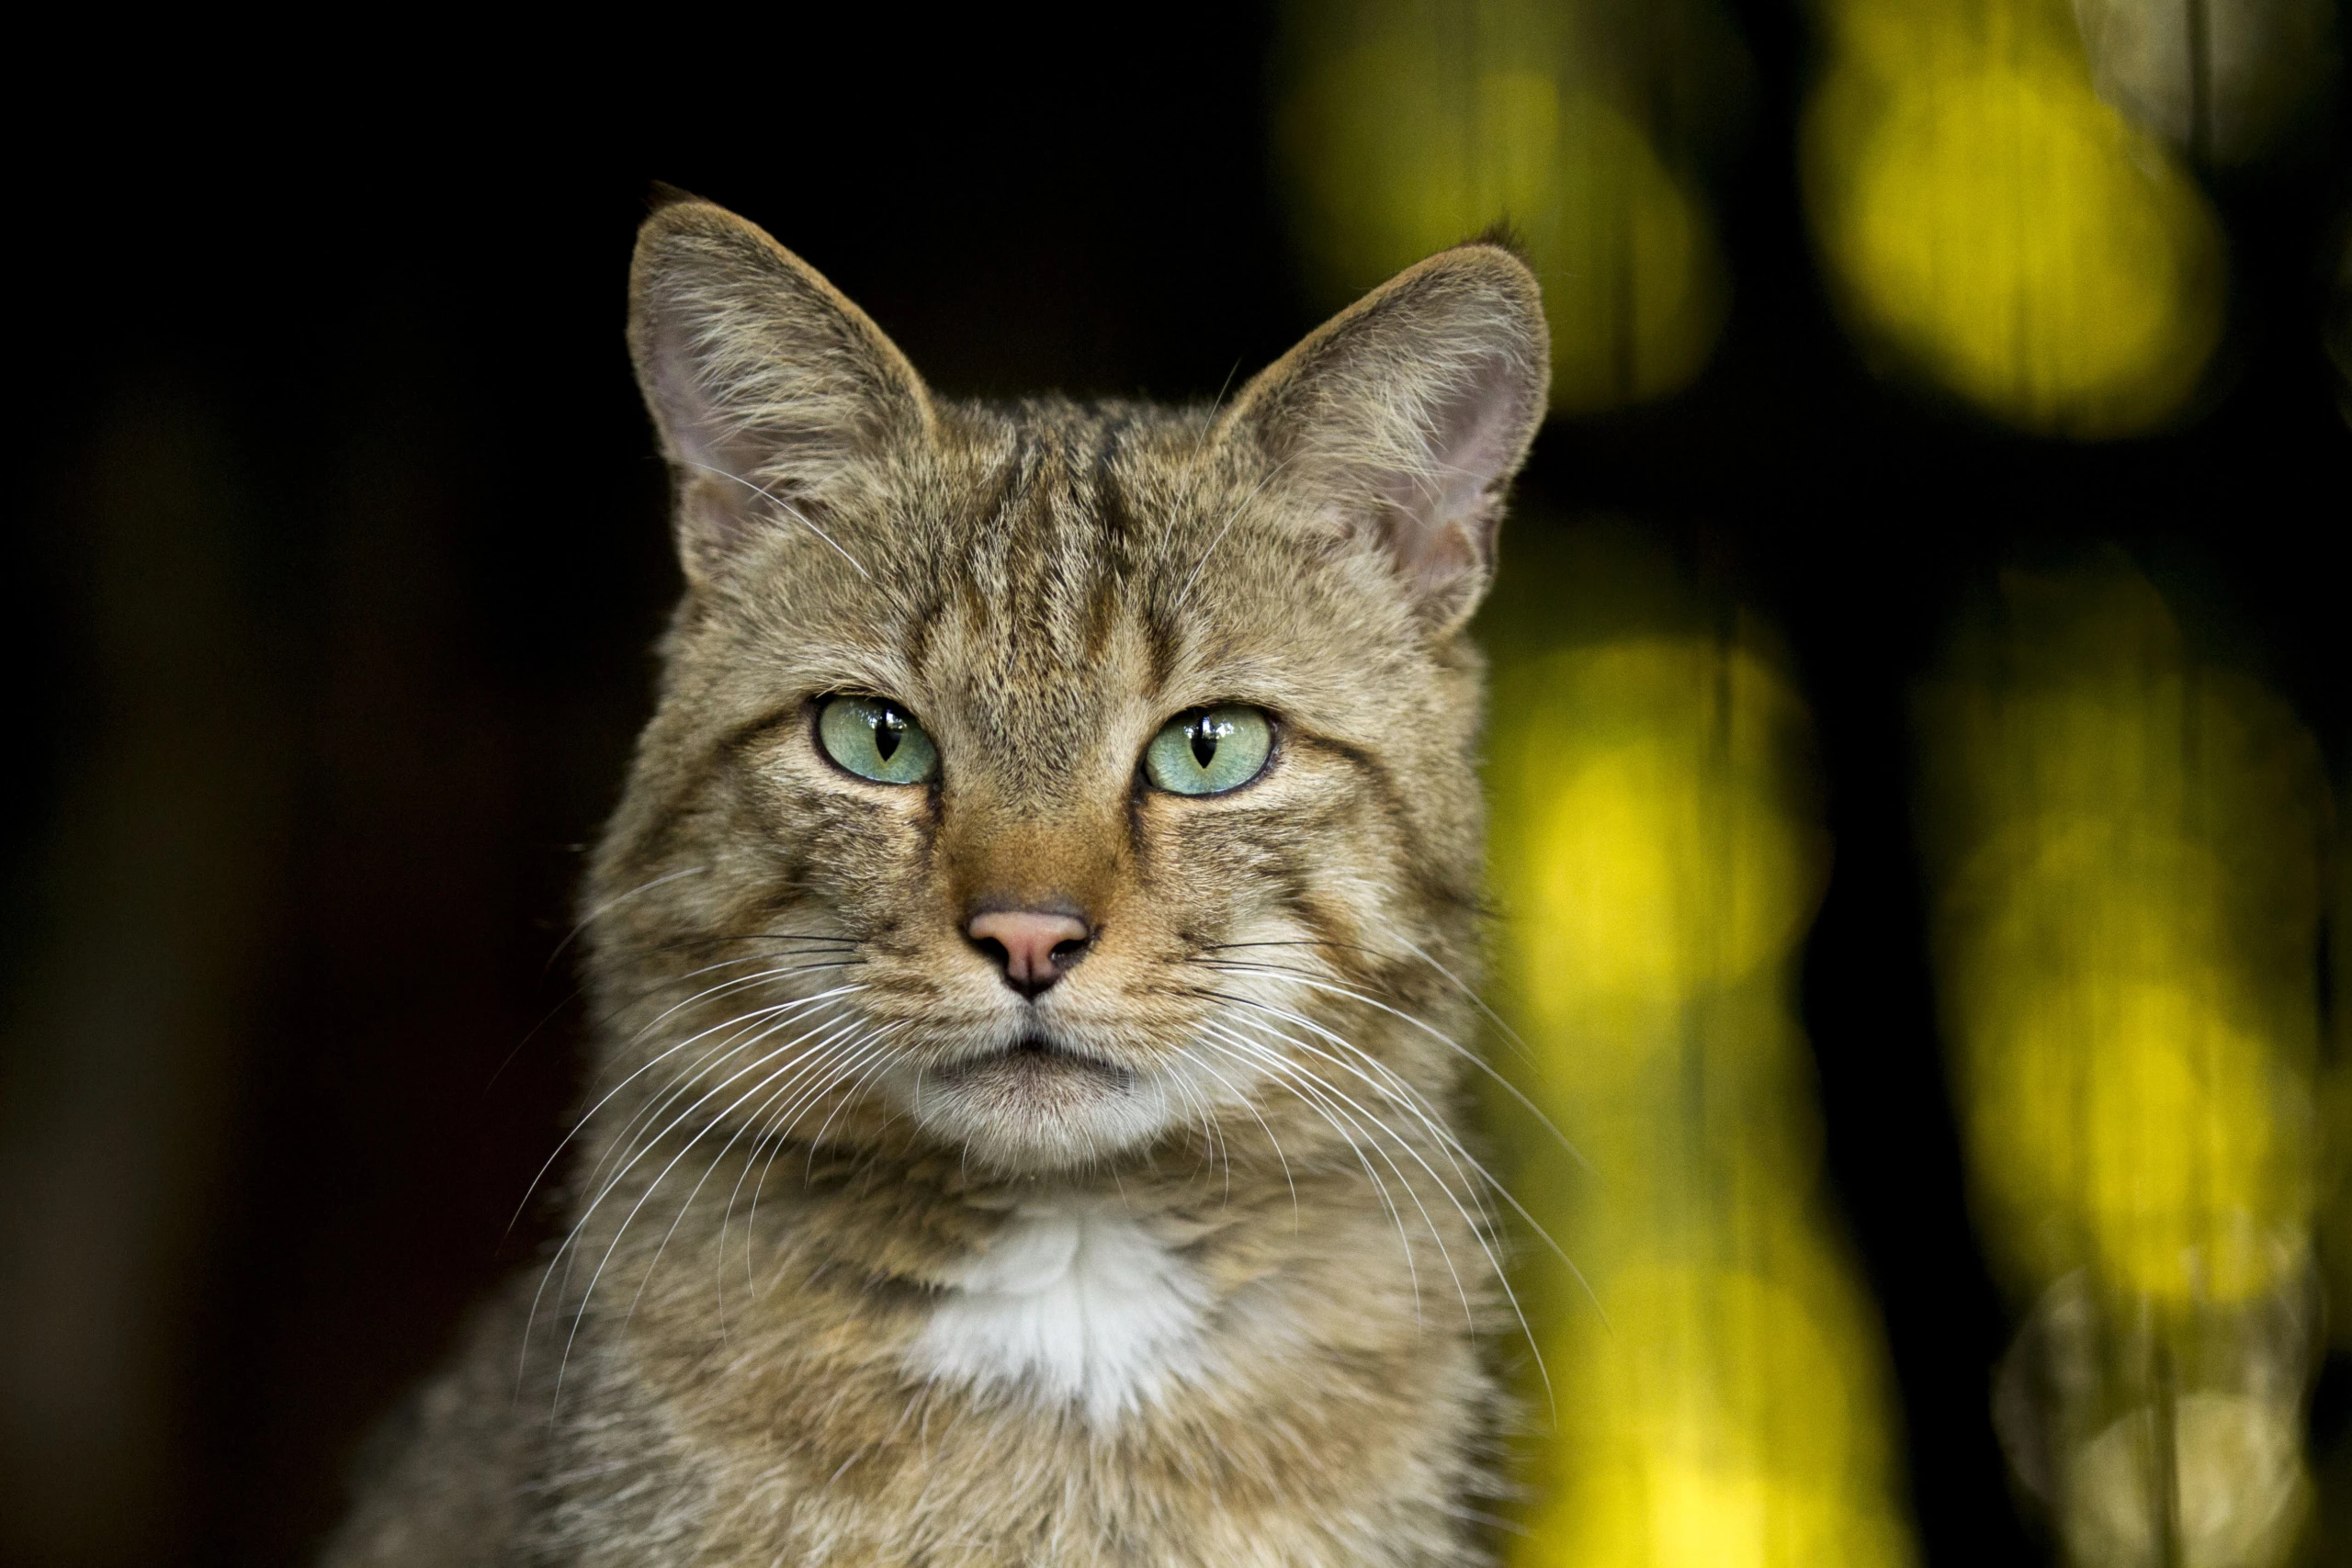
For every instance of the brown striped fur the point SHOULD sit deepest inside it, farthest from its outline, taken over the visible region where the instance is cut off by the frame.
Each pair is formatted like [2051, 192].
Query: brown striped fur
[1044, 585]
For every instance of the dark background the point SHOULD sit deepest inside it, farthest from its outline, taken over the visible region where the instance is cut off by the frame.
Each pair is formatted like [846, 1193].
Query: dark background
[335, 550]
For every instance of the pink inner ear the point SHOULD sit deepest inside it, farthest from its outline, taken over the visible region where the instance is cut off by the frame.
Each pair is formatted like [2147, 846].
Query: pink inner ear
[1436, 561]
[718, 499]
[712, 524]
[1440, 524]
[685, 409]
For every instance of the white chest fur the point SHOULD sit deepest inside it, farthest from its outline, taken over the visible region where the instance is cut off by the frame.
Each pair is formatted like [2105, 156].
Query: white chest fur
[1073, 1303]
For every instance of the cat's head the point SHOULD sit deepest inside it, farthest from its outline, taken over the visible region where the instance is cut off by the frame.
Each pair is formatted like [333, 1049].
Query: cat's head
[1051, 780]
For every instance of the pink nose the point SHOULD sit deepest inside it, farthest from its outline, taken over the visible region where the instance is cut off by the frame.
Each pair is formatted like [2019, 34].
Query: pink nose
[1034, 947]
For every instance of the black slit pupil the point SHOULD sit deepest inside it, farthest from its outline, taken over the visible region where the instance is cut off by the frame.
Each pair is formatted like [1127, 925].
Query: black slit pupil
[887, 729]
[1204, 737]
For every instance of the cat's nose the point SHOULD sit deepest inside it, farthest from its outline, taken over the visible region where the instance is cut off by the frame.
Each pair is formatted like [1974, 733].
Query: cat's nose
[1034, 947]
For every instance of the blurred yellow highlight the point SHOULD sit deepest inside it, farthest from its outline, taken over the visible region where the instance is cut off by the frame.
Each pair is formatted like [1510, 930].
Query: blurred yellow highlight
[2180, 1153]
[1657, 855]
[1631, 916]
[2336, 1227]
[1994, 226]
[2126, 849]
[1415, 126]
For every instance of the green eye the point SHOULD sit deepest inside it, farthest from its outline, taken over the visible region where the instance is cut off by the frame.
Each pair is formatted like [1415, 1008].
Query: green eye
[876, 738]
[1209, 750]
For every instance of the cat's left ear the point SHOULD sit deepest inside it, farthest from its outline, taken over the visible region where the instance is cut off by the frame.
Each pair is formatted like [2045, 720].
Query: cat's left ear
[1404, 418]
[774, 397]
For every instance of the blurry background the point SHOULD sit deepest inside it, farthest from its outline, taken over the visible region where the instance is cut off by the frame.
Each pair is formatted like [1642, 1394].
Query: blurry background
[1922, 668]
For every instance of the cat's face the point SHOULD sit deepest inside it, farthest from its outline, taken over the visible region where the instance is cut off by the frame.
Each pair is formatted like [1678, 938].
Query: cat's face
[1041, 781]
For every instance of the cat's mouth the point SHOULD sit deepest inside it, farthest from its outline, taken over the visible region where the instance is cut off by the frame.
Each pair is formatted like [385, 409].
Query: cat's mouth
[1035, 1057]
[1036, 1103]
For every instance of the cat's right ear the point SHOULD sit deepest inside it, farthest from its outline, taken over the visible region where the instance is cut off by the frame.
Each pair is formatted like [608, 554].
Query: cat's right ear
[1404, 418]
[772, 392]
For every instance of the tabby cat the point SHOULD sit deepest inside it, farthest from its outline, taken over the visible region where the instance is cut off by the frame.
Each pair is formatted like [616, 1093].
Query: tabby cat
[1033, 952]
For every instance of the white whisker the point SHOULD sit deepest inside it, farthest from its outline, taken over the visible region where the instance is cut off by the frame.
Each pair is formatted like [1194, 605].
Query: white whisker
[790, 510]
[654, 1186]
[1184, 592]
[1451, 1146]
[614, 902]
[1310, 1091]
[581, 1124]
[567, 1248]
[1498, 1188]
[1243, 1101]
[1445, 1040]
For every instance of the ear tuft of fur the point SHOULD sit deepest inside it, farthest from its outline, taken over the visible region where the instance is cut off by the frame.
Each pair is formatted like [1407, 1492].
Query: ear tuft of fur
[661, 193]
[1503, 237]
[1406, 416]
[769, 390]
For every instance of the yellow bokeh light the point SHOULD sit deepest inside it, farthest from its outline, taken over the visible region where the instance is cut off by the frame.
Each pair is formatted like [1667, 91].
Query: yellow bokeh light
[1720, 1396]
[1659, 858]
[1640, 1511]
[2149, 1112]
[2125, 847]
[2114, 1072]
[2125, 920]
[1414, 127]
[2336, 1218]
[1995, 227]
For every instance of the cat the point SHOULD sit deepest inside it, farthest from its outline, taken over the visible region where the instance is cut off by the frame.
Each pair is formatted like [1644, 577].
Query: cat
[1036, 946]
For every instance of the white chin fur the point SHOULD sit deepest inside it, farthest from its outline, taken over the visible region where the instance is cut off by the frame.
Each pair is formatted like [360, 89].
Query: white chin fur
[1049, 1114]
[1072, 1304]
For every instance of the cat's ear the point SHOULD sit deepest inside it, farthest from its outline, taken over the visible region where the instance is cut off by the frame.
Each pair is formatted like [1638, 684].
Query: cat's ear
[769, 390]
[1404, 418]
